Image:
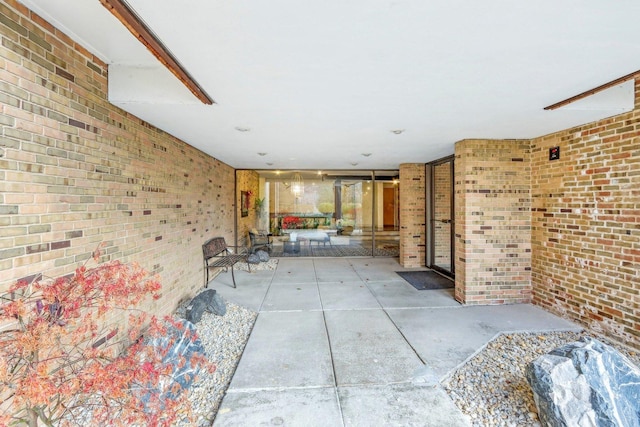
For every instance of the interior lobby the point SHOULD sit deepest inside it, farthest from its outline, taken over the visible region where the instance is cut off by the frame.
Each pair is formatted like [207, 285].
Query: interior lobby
[332, 213]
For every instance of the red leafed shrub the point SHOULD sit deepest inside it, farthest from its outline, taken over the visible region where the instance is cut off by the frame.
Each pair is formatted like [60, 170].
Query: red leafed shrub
[289, 222]
[63, 356]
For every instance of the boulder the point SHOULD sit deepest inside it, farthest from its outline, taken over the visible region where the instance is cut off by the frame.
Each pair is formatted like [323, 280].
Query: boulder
[217, 305]
[585, 383]
[207, 300]
[263, 255]
[253, 259]
[180, 344]
[196, 308]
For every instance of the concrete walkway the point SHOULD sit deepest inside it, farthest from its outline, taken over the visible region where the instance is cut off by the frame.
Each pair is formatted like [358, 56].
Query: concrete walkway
[347, 342]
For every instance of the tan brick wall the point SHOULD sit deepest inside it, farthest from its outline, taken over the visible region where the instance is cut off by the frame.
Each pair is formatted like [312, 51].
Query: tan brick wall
[412, 214]
[76, 171]
[586, 225]
[493, 221]
[442, 210]
[247, 180]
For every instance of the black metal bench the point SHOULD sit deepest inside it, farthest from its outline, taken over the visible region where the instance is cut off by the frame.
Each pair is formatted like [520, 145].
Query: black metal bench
[216, 254]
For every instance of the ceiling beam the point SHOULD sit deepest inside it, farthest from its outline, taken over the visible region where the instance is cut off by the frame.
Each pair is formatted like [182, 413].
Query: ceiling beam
[593, 91]
[125, 14]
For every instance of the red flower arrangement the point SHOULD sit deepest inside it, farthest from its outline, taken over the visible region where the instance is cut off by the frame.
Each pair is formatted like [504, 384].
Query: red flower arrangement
[289, 222]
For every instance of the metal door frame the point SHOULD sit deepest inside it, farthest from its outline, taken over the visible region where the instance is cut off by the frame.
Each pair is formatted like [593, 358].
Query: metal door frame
[430, 220]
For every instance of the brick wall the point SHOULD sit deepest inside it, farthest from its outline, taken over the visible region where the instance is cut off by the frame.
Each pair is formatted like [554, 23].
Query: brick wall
[247, 180]
[492, 222]
[442, 186]
[586, 225]
[76, 171]
[412, 214]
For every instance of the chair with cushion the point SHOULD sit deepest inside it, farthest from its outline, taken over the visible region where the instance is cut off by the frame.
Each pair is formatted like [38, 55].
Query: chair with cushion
[259, 239]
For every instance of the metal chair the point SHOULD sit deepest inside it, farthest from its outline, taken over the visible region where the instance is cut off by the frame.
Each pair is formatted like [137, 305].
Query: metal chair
[260, 240]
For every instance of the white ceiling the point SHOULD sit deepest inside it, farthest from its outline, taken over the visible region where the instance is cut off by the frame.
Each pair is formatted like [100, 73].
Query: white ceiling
[320, 83]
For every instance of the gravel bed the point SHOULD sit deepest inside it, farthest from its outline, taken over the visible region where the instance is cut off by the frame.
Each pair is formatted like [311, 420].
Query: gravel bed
[267, 265]
[224, 339]
[491, 389]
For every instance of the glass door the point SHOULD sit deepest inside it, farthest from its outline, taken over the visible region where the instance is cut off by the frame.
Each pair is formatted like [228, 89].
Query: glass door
[354, 211]
[333, 213]
[440, 216]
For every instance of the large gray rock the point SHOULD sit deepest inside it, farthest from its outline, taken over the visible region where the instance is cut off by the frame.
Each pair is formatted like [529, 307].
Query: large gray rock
[207, 300]
[253, 259]
[585, 383]
[178, 348]
[197, 307]
[217, 305]
[263, 255]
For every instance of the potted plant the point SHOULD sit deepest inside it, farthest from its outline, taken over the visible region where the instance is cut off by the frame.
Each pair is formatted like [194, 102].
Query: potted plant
[259, 205]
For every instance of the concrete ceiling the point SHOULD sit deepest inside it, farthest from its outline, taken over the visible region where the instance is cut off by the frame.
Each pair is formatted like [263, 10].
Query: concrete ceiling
[317, 84]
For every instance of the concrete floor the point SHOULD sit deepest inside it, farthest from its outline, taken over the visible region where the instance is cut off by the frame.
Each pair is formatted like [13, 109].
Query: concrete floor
[347, 342]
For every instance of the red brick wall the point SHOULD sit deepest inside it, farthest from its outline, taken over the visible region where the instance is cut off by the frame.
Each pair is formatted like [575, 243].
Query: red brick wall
[412, 214]
[493, 221]
[586, 225]
[76, 171]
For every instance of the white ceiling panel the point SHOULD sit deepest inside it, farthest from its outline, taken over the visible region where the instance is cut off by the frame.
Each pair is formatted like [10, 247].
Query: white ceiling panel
[315, 84]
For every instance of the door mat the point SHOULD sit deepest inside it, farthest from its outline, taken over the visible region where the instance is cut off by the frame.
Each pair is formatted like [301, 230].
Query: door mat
[425, 280]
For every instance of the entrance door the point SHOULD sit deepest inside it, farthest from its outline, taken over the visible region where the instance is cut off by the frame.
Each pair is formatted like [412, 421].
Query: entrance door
[440, 212]
[389, 208]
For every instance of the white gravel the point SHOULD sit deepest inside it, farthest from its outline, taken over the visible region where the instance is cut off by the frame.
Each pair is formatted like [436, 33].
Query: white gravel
[491, 389]
[224, 339]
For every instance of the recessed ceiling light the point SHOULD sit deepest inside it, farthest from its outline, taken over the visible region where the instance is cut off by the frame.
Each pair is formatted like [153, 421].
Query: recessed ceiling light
[366, 154]
[397, 131]
[262, 154]
[269, 163]
[354, 163]
[241, 129]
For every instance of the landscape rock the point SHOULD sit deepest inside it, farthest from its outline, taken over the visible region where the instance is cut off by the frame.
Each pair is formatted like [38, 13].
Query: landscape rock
[585, 383]
[263, 255]
[253, 259]
[196, 308]
[207, 300]
[181, 343]
[217, 305]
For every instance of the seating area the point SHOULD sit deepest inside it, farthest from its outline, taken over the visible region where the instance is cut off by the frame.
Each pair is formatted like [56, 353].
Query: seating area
[318, 236]
[216, 254]
[259, 239]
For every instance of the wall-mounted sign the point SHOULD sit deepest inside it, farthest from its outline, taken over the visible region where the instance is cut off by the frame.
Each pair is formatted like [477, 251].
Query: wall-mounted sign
[554, 153]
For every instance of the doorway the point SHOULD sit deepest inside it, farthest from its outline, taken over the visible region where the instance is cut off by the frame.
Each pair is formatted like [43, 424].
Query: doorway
[440, 216]
[333, 213]
[389, 210]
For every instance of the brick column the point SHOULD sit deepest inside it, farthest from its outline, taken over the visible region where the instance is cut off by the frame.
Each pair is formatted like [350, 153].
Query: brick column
[412, 214]
[493, 221]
